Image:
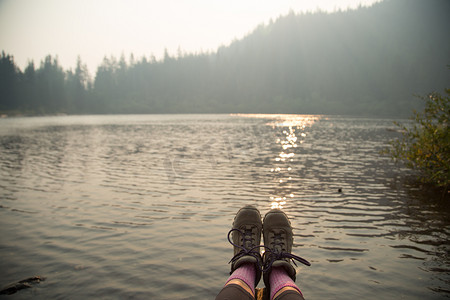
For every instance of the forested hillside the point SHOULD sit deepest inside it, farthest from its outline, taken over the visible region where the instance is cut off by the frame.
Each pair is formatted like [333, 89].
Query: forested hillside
[369, 61]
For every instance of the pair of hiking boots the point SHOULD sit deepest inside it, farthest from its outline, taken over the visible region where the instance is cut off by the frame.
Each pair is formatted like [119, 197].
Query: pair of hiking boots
[278, 240]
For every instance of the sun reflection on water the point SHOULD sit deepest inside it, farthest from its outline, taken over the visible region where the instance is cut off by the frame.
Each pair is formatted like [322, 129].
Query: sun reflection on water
[293, 127]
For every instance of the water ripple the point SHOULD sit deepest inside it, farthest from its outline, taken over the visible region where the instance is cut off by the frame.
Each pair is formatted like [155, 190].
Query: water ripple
[139, 206]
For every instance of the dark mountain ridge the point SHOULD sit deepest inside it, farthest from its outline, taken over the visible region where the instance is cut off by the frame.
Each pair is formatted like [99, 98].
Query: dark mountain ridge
[371, 60]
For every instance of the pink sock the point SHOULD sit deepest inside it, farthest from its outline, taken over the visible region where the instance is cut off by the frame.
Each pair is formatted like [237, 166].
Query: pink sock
[279, 279]
[247, 274]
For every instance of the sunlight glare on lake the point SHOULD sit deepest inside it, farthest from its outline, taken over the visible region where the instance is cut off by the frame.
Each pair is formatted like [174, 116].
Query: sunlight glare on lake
[293, 127]
[285, 120]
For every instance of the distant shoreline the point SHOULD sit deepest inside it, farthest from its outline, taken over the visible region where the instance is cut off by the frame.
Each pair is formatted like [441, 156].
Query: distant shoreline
[23, 115]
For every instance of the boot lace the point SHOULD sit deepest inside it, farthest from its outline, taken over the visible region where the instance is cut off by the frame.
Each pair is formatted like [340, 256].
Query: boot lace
[270, 255]
[247, 236]
[276, 253]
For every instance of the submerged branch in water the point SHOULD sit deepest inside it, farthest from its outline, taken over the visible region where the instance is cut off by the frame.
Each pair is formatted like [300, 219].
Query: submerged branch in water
[20, 285]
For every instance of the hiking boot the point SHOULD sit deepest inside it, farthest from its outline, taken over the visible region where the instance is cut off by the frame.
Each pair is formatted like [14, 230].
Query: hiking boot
[278, 240]
[246, 239]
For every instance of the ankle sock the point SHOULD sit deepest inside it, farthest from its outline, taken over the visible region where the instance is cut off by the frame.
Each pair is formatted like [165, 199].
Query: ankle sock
[247, 274]
[279, 279]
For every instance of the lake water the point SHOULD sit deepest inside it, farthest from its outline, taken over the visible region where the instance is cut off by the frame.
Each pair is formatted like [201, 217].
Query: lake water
[139, 206]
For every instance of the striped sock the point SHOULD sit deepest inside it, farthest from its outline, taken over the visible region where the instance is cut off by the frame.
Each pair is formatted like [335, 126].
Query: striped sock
[279, 279]
[247, 274]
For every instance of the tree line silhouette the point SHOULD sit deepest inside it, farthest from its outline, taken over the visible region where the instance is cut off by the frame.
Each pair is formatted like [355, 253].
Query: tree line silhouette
[369, 61]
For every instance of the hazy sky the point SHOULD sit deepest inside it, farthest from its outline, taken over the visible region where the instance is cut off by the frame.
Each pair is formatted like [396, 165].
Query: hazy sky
[32, 29]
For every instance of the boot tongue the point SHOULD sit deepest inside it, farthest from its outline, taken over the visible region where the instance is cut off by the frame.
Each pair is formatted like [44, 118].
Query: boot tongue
[247, 238]
[279, 241]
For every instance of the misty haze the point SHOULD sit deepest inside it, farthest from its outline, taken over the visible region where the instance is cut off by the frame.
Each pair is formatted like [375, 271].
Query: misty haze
[123, 181]
[369, 61]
